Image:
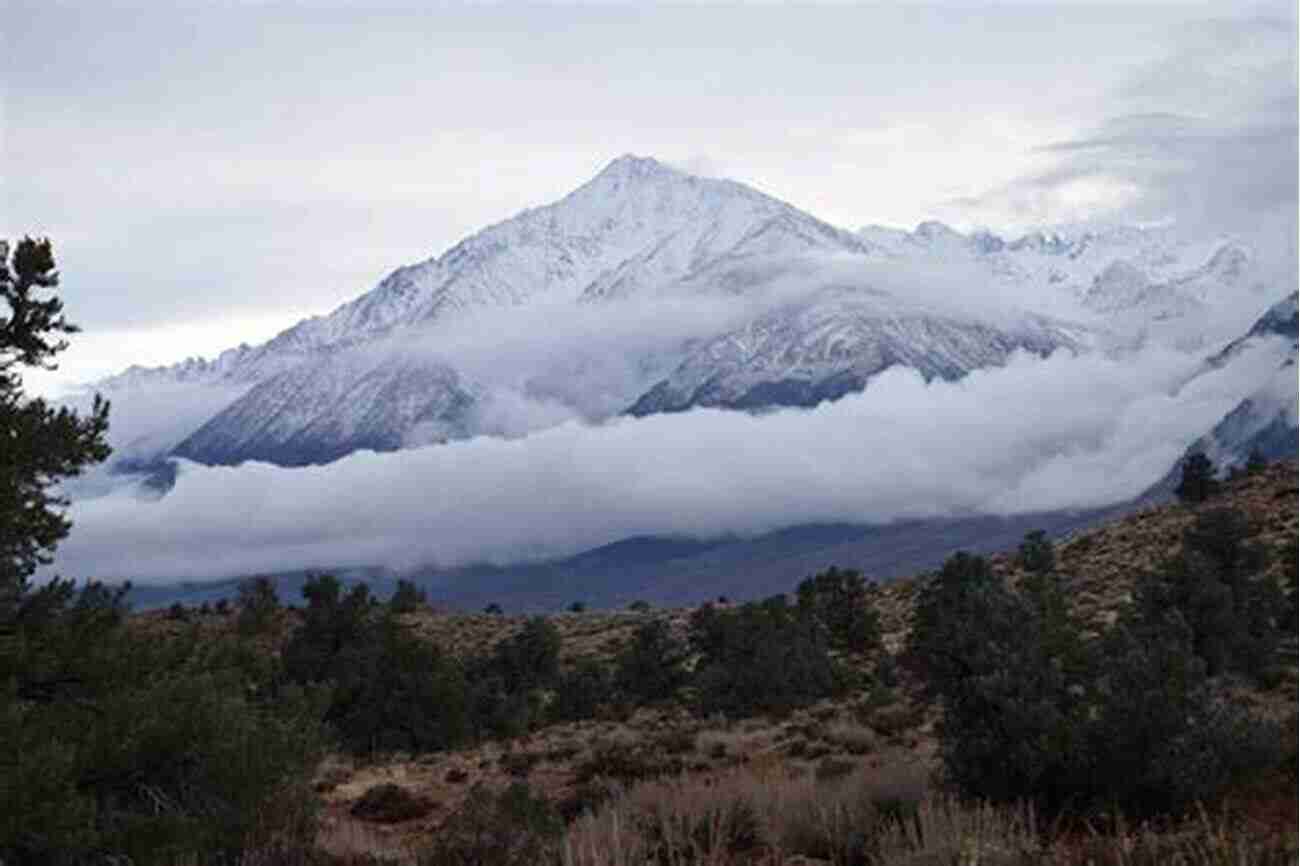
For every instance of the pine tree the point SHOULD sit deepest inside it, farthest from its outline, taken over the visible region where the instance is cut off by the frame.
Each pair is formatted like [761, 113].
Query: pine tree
[1198, 482]
[41, 444]
[118, 747]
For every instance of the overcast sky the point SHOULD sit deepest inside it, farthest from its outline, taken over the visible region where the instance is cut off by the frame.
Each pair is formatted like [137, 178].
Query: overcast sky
[212, 171]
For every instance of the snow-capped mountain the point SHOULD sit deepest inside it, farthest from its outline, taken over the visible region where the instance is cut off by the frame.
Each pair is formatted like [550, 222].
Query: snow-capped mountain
[1148, 283]
[345, 401]
[813, 312]
[638, 225]
[1265, 420]
[831, 345]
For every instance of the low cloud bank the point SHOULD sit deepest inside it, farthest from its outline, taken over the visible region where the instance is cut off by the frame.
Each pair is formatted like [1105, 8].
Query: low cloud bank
[1064, 432]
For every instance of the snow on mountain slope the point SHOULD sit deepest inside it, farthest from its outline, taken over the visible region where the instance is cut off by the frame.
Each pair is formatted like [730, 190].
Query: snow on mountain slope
[1068, 257]
[340, 403]
[831, 345]
[1266, 420]
[635, 228]
[1148, 283]
[642, 233]
[638, 224]
[1280, 320]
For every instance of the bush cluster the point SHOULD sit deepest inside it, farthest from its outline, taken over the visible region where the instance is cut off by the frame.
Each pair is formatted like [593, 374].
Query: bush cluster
[1037, 708]
[840, 600]
[652, 667]
[143, 747]
[407, 598]
[761, 657]
[388, 689]
[1234, 612]
[1198, 481]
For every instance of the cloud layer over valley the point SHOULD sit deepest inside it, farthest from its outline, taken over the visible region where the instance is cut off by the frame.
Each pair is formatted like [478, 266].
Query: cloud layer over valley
[1037, 434]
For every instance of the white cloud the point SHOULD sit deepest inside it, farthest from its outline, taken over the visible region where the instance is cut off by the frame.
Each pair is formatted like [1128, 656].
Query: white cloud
[1037, 434]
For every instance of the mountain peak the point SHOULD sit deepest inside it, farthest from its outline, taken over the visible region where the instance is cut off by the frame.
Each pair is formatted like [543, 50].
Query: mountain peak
[933, 230]
[629, 165]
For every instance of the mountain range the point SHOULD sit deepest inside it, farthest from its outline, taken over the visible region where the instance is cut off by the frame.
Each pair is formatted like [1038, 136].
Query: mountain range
[812, 312]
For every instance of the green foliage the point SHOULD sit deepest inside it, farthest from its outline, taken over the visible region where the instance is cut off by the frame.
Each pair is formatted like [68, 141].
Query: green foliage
[1198, 481]
[1035, 710]
[942, 646]
[513, 827]
[259, 606]
[495, 711]
[43, 445]
[581, 692]
[530, 658]
[762, 657]
[389, 690]
[149, 749]
[652, 667]
[336, 627]
[1007, 676]
[407, 598]
[1235, 613]
[402, 695]
[839, 600]
[507, 690]
[1036, 554]
[1160, 740]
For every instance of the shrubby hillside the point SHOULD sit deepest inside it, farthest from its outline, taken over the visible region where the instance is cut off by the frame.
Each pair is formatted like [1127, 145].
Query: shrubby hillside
[1143, 669]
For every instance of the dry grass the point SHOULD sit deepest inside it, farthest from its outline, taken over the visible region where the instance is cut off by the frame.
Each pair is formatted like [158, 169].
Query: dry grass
[761, 813]
[885, 816]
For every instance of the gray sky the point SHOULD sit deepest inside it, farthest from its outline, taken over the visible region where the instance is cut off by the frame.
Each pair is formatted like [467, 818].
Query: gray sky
[211, 172]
